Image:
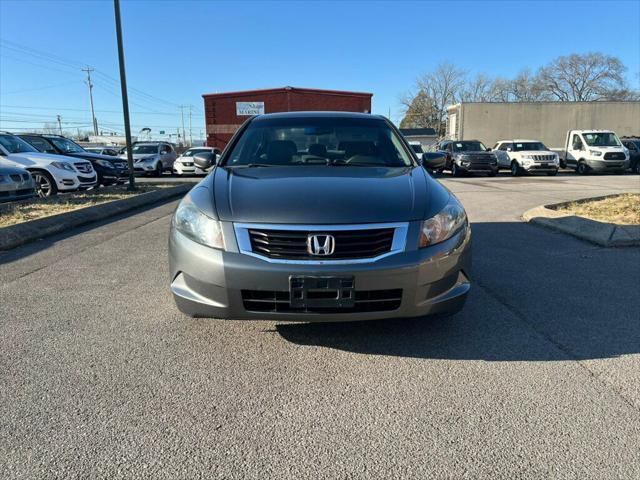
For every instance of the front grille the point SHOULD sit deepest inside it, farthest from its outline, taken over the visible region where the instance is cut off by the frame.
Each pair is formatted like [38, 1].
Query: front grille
[614, 156]
[349, 244]
[479, 158]
[86, 179]
[121, 165]
[187, 164]
[365, 301]
[84, 167]
[544, 158]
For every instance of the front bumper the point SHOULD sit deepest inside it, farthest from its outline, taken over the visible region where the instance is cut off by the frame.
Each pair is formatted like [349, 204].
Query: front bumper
[532, 167]
[76, 182]
[607, 165]
[211, 283]
[478, 167]
[190, 169]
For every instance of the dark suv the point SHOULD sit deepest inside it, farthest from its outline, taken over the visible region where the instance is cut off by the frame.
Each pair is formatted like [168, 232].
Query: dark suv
[110, 170]
[633, 145]
[468, 156]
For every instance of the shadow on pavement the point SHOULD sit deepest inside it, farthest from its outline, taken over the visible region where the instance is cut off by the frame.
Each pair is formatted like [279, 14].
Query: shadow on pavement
[537, 296]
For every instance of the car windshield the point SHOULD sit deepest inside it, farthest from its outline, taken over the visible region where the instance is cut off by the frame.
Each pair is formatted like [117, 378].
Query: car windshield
[191, 152]
[143, 149]
[528, 146]
[13, 144]
[319, 141]
[601, 139]
[416, 148]
[66, 145]
[468, 147]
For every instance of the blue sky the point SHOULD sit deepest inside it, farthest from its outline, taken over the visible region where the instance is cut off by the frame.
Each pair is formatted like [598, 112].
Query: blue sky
[175, 51]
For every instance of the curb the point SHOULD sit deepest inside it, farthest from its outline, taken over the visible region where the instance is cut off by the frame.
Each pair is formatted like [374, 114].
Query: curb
[26, 232]
[600, 233]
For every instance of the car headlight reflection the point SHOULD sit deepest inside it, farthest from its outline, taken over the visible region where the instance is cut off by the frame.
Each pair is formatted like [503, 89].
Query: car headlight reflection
[191, 222]
[444, 224]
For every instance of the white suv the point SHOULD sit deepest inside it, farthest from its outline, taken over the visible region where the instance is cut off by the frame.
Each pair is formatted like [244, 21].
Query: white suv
[526, 156]
[51, 173]
[184, 164]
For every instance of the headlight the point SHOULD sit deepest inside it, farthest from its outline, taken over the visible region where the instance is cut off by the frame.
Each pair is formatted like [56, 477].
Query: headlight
[150, 159]
[443, 225]
[191, 222]
[63, 166]
[595, 153]
[104, 163]
[527, 157]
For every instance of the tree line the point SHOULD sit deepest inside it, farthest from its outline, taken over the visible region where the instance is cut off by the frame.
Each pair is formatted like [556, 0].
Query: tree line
[571, 78]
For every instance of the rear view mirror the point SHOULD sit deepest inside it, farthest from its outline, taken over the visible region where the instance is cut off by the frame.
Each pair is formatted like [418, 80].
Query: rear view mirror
[204, 160]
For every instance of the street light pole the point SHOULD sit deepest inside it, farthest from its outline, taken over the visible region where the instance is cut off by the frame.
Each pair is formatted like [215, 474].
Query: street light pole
[125, 98]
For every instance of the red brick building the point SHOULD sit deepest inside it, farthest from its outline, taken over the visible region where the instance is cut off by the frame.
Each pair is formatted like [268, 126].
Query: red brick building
[225, 112]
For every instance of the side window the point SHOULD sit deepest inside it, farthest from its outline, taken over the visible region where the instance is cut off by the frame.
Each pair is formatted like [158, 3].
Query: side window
[504, 146]
[495, 147]
[577, 143]
[631, 146]
[40, 144]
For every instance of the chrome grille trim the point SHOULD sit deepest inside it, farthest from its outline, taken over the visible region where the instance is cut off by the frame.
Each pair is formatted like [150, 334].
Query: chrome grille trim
[398, 243]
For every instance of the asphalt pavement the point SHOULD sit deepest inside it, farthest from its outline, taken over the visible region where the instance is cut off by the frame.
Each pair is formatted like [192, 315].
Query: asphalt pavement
[538, 376]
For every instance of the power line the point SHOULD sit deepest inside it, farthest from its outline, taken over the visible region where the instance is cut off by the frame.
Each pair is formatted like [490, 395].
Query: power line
[82, 109]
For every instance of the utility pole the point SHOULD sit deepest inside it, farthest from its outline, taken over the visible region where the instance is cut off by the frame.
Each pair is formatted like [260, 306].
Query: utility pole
[93, 113]
[183, 132]
[125, 98]
[59, 124]
[190, 134]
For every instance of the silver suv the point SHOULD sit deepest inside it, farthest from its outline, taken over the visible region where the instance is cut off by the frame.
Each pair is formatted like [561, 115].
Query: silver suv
[152, 158]
[318, 216]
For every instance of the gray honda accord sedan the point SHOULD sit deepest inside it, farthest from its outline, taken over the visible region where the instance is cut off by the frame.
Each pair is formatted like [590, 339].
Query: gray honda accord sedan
[319, 216]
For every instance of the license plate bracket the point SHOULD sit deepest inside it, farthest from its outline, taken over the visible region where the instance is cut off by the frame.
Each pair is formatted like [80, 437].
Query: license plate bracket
[308, 292]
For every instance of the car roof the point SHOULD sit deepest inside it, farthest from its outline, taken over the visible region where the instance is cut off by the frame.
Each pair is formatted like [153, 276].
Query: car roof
[267, 117]
[520, 140]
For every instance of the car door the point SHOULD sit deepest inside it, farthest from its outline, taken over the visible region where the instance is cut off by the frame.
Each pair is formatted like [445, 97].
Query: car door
[167, 156]
[574, 151]
[446, 148]
[501, 153]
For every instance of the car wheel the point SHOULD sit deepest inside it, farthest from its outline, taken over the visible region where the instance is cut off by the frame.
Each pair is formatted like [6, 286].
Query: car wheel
[158, 172]
[582, 169]
[45, 186]
[515, 170]
[455, 171]
[636, 169]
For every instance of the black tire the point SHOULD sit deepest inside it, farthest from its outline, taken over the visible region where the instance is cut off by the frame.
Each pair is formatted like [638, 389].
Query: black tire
[582, 168]
[158, 171]
[552, 174]
[636, 168]
[455, 171]
[515, 170]
[492, 173]
[45, 185]
[563, 164]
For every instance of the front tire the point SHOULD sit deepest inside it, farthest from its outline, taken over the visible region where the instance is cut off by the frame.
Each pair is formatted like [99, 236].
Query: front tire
[636, 168]
[582, 169]
[158, 171]
[45, 185]
[455, 171]
[516, 171]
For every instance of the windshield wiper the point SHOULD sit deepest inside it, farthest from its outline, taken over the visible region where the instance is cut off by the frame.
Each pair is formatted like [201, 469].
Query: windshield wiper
[251, 165]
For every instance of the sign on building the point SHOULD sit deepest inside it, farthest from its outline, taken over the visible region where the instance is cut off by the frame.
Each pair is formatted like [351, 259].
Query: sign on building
[249, 108]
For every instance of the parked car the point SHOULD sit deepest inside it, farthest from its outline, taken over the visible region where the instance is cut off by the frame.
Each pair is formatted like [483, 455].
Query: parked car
[468, 156]
[51, 173]
[416, 147]
[184, 163]
[595, 151]
[15, 183]
[319, 216]
[110, 170]
[633, 146]
[111, 151]
[526, 156]
[152, 158]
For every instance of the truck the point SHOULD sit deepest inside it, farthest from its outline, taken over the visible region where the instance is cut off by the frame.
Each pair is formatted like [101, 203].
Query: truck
[589, 151]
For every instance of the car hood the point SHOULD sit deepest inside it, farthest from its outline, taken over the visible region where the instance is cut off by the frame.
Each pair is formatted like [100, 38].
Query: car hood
[138, 156]
[34, 159]
[320, 195]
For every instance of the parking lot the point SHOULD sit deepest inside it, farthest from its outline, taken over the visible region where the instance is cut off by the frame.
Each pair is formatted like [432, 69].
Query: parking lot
[102, 377]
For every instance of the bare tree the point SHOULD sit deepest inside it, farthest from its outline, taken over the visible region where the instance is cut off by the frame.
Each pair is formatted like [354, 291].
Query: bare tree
[478, 89]
[500, 90]
[527, 88]
[592, 76]
[444, 87]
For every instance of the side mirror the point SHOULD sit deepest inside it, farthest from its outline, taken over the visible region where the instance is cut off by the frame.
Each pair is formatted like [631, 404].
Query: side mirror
[204, 160]
[488, 149]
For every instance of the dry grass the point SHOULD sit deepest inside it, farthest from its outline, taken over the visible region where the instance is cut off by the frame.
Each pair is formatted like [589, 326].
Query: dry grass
[10, 214]
[621, 209]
